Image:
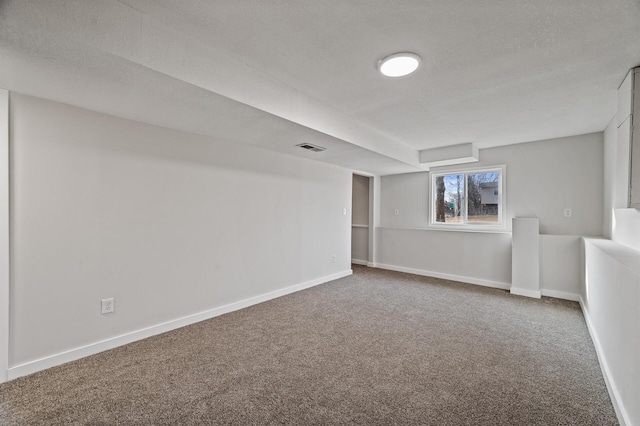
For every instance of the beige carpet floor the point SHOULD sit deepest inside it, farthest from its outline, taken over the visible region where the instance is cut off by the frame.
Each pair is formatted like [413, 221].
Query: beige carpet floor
[375, 348]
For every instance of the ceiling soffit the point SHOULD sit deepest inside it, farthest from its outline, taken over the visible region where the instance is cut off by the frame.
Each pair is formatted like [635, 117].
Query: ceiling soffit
[122, 32]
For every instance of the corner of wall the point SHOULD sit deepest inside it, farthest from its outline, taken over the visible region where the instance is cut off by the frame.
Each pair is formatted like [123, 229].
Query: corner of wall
[609, 167]
[4, 235]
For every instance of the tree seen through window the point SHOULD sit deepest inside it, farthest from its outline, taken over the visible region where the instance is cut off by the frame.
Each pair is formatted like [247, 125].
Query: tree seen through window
[468, 197]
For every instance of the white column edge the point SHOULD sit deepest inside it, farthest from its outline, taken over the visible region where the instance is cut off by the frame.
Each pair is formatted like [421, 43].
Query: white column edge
[4, 235]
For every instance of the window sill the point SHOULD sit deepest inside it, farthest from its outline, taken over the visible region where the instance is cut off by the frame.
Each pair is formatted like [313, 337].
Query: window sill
[437, 229]
[466, 228]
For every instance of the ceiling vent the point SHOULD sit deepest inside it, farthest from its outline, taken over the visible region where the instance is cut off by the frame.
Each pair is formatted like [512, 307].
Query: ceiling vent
[310, 147]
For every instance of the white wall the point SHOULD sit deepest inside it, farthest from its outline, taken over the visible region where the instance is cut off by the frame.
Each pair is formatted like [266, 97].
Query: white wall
[626, 227]
[609, 177]
[170, 224]
[610, 297]
[543, 178]
[409, 194]
[360, 220]
[560, 266]
[474, 257]
[621, 224]
[360, 245]
[360, 203]
[525, 257]
[610, 281]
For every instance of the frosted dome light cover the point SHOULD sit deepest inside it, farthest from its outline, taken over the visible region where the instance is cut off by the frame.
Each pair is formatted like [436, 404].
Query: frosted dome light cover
[399, 64]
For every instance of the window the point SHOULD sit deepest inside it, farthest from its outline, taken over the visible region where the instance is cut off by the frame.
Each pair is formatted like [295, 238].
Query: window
[471, 199]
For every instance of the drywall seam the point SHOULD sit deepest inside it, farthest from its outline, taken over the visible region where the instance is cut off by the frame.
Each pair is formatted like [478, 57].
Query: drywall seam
[94, 348]
[621, 413]
[467, 280]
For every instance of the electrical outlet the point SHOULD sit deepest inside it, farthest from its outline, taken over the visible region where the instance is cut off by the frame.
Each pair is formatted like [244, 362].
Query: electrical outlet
[568, 213]
[333, 258]
[108, 306]
[396, 211]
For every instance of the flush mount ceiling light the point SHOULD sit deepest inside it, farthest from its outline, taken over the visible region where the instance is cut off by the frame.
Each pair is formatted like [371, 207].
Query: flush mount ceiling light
[399, 64]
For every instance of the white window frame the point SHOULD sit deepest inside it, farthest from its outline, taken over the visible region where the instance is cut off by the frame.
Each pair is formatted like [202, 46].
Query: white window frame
[501, 226]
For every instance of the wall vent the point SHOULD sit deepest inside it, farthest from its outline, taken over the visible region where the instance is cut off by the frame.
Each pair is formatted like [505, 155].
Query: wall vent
[310, 147]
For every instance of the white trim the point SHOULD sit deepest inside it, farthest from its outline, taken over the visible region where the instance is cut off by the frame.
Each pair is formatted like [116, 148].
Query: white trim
[359, 226]
[359, 262]
[524, 292]
[462, 228]
[5, 245]
[621, 413]
[467, 280]
[103, 345]
[436, 229]
[560, 295]
[372, 264]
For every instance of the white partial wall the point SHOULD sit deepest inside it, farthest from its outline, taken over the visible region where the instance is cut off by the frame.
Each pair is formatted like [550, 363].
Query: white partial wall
[176, 227]
[525, 257]
[560, 266]
[610, 280]
[610, 300]
[360, 220]
[542, 179]
[477, 258]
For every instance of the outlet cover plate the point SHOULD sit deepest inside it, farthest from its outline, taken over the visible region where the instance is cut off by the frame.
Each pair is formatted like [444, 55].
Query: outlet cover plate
[108, 306]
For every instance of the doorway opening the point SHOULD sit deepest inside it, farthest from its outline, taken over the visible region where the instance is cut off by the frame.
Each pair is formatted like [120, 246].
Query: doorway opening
[360, 220]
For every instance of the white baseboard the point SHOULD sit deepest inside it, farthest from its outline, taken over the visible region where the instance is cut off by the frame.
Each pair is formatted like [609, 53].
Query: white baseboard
[477, 281]
[560, 295]
[524, 292]
[359, 262]
[623, 417]
[103, 345]
[468, 280]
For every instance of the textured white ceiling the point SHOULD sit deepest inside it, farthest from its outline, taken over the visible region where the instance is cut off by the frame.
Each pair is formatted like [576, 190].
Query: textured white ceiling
[495, 72]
